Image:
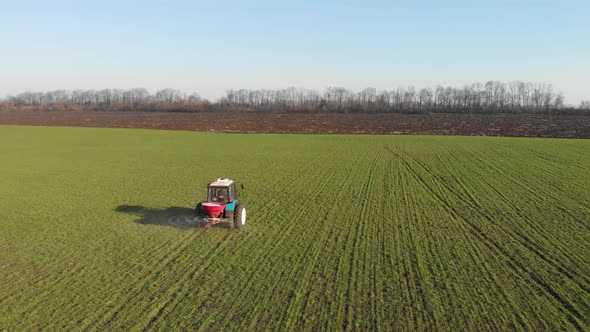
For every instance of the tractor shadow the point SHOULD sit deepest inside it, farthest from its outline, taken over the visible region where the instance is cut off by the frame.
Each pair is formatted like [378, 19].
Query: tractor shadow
[174, 216]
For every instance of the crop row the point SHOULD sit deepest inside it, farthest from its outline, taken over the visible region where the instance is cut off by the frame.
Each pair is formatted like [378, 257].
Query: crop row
[344, 232]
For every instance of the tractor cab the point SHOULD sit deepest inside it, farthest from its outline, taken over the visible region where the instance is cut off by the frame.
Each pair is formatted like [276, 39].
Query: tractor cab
[221, 191]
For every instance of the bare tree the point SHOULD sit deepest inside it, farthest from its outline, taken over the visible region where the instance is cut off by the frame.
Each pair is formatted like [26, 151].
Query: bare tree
[493, 96]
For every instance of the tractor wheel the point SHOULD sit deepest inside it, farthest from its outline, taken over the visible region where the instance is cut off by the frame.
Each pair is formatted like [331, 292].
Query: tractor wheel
[240, 216]
[230, 224]
[198, 210]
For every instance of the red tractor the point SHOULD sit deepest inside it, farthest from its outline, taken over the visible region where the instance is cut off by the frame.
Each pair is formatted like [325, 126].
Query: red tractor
[222, 205]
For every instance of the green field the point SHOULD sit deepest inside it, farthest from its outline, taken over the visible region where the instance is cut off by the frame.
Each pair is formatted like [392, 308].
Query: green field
[344, 233]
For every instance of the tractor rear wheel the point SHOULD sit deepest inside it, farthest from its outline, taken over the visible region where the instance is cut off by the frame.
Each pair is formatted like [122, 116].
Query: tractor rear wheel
[230, 224]
[240, 216]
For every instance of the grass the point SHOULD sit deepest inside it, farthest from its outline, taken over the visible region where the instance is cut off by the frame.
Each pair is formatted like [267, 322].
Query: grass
[344, 232]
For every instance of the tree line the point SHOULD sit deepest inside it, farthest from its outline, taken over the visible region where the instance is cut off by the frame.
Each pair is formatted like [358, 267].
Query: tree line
[138, 99]
[489, 97]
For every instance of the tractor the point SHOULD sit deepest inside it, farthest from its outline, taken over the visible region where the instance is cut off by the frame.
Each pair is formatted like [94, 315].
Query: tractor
[222, 205]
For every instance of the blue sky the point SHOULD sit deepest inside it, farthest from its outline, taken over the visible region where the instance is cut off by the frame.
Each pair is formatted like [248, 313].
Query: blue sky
[212, 46]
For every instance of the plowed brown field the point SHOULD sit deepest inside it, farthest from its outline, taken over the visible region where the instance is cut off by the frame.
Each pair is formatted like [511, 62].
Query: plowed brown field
[529, 125]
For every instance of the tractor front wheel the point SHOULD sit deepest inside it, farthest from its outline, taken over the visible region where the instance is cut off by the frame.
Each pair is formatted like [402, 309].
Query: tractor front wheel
[240, 216]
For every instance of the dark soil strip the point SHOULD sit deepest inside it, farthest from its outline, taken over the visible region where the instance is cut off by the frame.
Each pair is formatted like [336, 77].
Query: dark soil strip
[517, 125]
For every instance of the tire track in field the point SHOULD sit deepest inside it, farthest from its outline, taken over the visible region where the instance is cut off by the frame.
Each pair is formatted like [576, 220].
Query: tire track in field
[411, 273]
[270, 265]
[165, 263]
[510, 201]
[140, 291]
[354, 260]
[184, 272]
[296, 312]
[517, 236]
[574, 315]
[532, 187]
[336, 236]
[475, 252]
[51, 291]
[423, 252]
[403, 271]
[376, 256]
[335, 304]
[380, 272]
[293, 178]
[425, 262]
[174, 297]
[517, 180]
[390, 249]
[344, 268]
[47, 271]
[476, 207]
[520, 237]
[146, 264]
[478, 230]
[523, 239]
[299, 307]
[306, 236]
[38, 278]
[21, 305]
[282, 233]
[47, 291]
[557, 160]
[334, 272]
